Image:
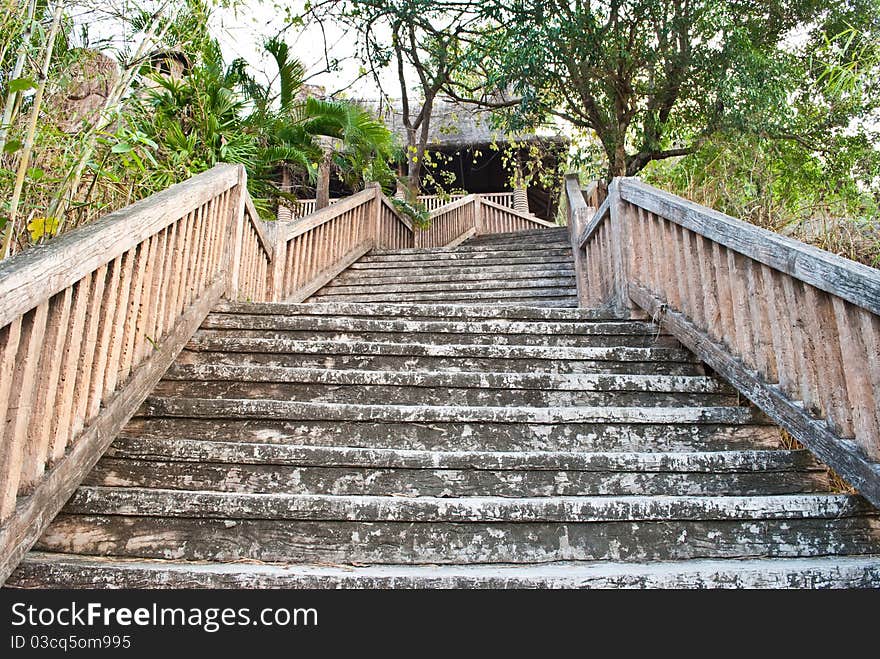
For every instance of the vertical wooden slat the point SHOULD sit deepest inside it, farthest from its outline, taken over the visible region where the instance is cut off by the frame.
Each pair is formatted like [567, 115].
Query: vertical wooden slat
[711, 311]
[149, 309]
[804, 365]
[740, 306]
[10, 338]
[859, 389]
[87, 355]
[20, 406]
[139, 284]
[762, 335]
[725, 303]
[114, 357]
[46, 405]
[820, 323]
[781, 331]
[694, 277]
[870, 331]
[105, 331]
[74, 344]
[679, 280]
[164, 281]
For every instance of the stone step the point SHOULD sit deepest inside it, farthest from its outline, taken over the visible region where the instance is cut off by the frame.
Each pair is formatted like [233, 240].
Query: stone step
[465, 250]
[633, 334]
[254, 382]
[376, 356]
[463, 436]
[539, 244]
[42, 569]
[453, 379]
[404, 275]
[219, 526]
[556, 233]
[273, 468]
[415, 311]
[456, 259]
[532, 296]
[455, 284]
[242, 408]
[361, 268]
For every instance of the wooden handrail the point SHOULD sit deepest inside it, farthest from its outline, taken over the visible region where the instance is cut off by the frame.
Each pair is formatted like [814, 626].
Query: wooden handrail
[794, 328]
[88, 325]
[90, 322]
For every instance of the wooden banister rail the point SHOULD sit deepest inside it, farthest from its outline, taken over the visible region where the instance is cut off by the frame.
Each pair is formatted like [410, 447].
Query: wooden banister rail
[794, 328]
[88, 325]
[471, 215]
[90, 322]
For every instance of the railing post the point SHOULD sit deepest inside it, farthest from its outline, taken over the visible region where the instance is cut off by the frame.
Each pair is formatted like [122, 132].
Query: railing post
[275, 233]
[377, 213]
[236, 234]
[619, 249]
[478, 215]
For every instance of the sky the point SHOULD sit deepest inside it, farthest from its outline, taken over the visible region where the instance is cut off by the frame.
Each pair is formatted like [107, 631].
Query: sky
[242, 30]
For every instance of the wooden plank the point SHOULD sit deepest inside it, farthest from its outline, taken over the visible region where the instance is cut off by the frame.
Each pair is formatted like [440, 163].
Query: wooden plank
[329, 273]
[740, 306]
[506, 211]
[710, 287]
[725, 299]
[62, 418]
[114, 357]
[10, 339]
[85, 367]
[822, 326]
[870, 331]
[804, 354]
[400, 218]
[694, 277]
[107, 313]
[762, 335]
[854, 282]
[842, 455]
[139, 284]
[254, 218]
[454, 206]
[36, 275]
[20, 406]
[859, 390]
[33, 513]
[458, 241]
[597, 219]
[313, 221]
[780, 329]
[39, 432]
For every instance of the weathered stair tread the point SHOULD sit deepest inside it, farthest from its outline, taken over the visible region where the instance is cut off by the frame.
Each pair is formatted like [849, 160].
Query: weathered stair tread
[72, 571]
[139, 502]
[553, 329]
[279, 345]
[540, 381]
[412, 311]
[472, 254]
[463, 436]
[252, 408]
[447, 418]
[340, 456]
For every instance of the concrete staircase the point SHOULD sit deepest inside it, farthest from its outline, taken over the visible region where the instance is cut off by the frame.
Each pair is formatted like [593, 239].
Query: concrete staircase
[477, 434]
[530, 268]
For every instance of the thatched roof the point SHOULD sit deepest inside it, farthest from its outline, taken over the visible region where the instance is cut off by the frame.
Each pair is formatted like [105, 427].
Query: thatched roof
[457, 125]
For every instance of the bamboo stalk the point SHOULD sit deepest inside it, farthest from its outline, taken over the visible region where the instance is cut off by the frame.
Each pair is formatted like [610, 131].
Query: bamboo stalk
[28, 147]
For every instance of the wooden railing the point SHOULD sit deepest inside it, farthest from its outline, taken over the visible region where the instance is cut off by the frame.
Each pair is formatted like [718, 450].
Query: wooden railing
[794, 328]
[88, 325]
[473, 215]
[90, 322]
[303, 207]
